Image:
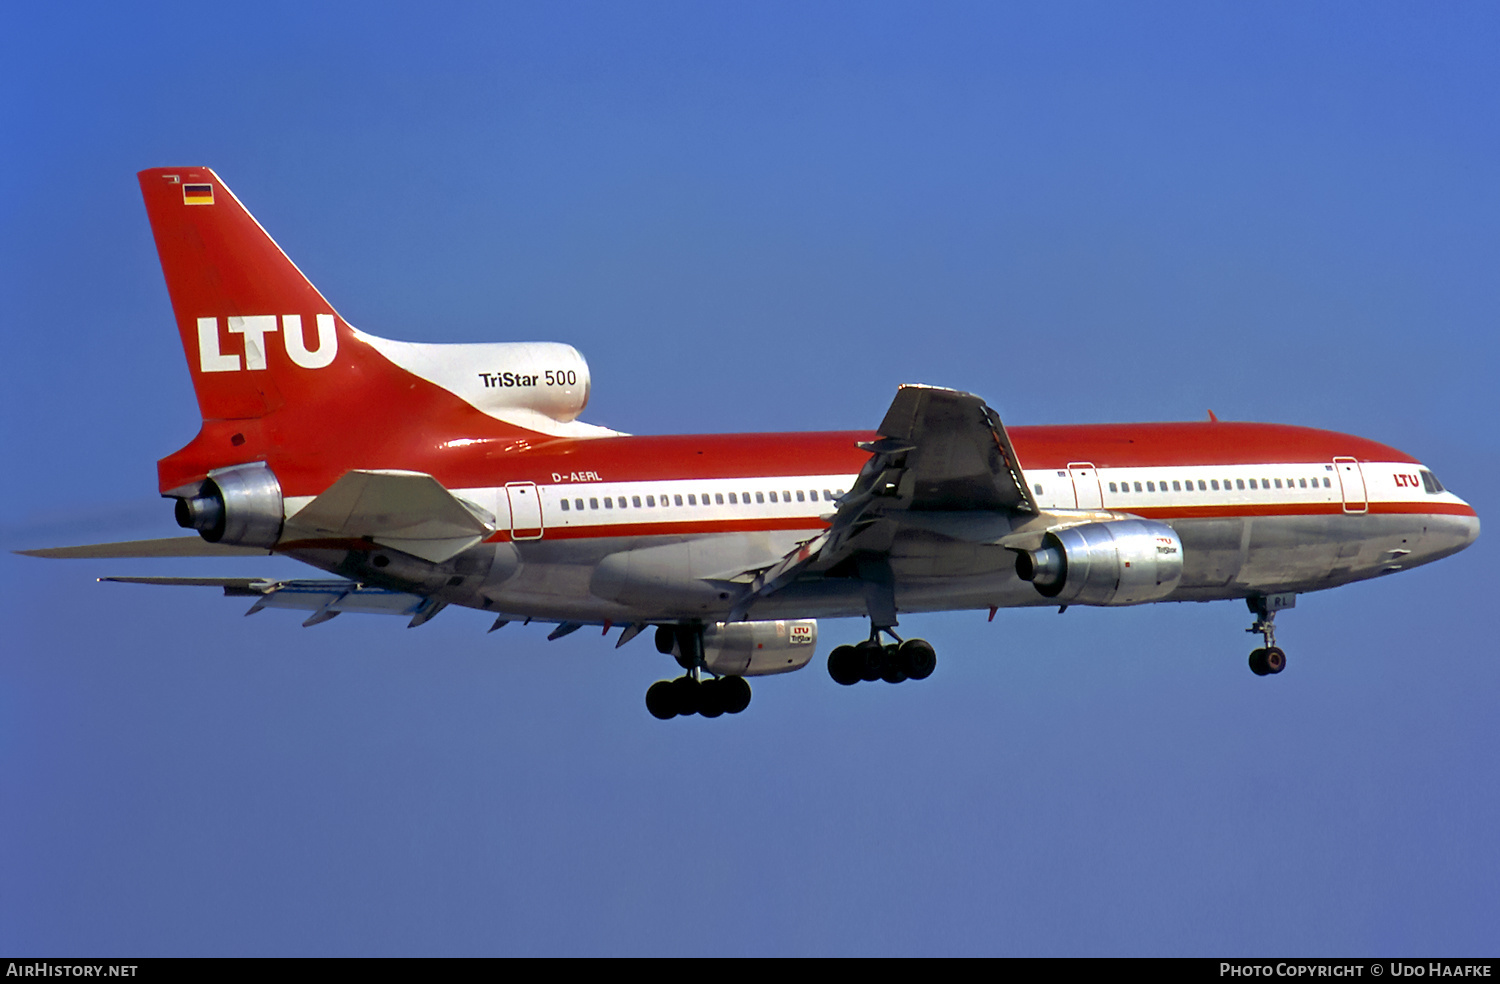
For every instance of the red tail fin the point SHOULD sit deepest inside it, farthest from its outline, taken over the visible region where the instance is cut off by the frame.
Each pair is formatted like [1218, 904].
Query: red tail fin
[281, 378]
[250, 321]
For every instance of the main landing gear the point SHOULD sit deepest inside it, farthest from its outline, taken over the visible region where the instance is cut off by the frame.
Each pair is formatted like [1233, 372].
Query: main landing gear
[690, 694]
[1270, 658]
[914, 659]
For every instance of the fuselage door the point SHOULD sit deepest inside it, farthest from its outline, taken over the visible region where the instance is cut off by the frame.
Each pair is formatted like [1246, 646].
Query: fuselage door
[1352, 484]
[1086, 491]
[525, 511]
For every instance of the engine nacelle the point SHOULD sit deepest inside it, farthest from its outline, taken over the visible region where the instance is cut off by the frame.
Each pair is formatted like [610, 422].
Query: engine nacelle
[1126, 562]
[759, 648]
[748, 648]
[240, 506]
[503, 378]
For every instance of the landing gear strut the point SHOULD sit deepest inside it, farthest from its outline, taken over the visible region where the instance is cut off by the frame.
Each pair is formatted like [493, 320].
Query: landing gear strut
[913, 659]
[690, 694]
[1269, 659]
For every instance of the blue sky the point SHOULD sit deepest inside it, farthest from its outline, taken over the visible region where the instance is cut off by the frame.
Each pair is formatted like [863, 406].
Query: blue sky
[761, 217]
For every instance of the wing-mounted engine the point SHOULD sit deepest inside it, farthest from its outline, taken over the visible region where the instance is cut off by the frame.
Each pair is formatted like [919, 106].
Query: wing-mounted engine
[749, 648]
[1125, 562]
[240, 505]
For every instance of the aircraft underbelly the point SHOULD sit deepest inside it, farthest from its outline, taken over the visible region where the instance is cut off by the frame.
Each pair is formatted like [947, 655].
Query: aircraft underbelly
[626, 579]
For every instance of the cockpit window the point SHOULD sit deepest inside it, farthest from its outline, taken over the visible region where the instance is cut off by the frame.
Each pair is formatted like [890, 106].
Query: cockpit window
[1430, 483]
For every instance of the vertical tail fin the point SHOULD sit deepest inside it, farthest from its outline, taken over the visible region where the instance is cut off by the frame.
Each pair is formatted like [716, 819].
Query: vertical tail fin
[251, 323]
[281, 378]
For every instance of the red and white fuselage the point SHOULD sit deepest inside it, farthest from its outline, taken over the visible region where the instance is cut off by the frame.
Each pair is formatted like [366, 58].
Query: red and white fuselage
[460, 474]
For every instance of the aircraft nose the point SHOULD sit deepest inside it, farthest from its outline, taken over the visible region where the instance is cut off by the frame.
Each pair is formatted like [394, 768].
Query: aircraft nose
[1471, 529]
[1450, 534]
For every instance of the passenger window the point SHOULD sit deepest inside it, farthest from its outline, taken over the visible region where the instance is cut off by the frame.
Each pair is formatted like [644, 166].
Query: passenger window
[1239, 484]
[609, 503]
[773, 496]
[1203, 486]
[677, 498]
[578, 504]
[593, 503]
[1150, 486]
[1327, 484]
[718, 498]
[1177, 486]
[799, 496]
[692, 501]
[760, 497]
[1137, 486]
[1252, 484]
[1112, 487]
[651, 501]
[1278, 483]
[786, 496]
[732, 499]
[565, 505]
[635, 500]
[828, 494]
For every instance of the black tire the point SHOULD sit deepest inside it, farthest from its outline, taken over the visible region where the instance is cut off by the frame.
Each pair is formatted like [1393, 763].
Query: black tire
[1274, 660]
[735, 693]
[893, 667]
[845, 665]
[1258, 662]
[920, 658]
[685, 695]
[871, 660]
[660, 702]
[711, 698]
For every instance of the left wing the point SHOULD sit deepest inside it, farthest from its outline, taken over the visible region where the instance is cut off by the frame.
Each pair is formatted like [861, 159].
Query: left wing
[941, 455]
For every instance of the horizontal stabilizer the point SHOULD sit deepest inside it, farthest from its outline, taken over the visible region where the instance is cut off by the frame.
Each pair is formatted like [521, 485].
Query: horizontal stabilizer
[325, 597]
[172, 546]
[406, 511]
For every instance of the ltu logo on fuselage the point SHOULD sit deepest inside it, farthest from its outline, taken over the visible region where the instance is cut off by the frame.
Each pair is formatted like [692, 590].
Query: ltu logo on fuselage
[255, 328]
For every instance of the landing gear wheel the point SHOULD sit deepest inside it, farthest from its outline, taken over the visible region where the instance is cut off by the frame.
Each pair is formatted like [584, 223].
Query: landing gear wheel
[685, 695]
[660, 700]
[871, 660]
[893, 667]
[711, 698]
[919, 658]
[1258, 662]
[1274, 660]
[845, 665]
[735, 694]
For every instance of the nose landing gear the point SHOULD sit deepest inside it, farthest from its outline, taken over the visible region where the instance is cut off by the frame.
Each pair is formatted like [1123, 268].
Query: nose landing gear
[1270, 658]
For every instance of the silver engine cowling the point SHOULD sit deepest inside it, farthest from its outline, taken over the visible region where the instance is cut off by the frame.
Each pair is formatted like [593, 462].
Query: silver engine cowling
[240, 505]
[749, 648]
[1126, 562]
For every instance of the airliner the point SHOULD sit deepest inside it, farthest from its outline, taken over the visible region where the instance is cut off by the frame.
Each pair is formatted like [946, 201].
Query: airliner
[429, 475]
